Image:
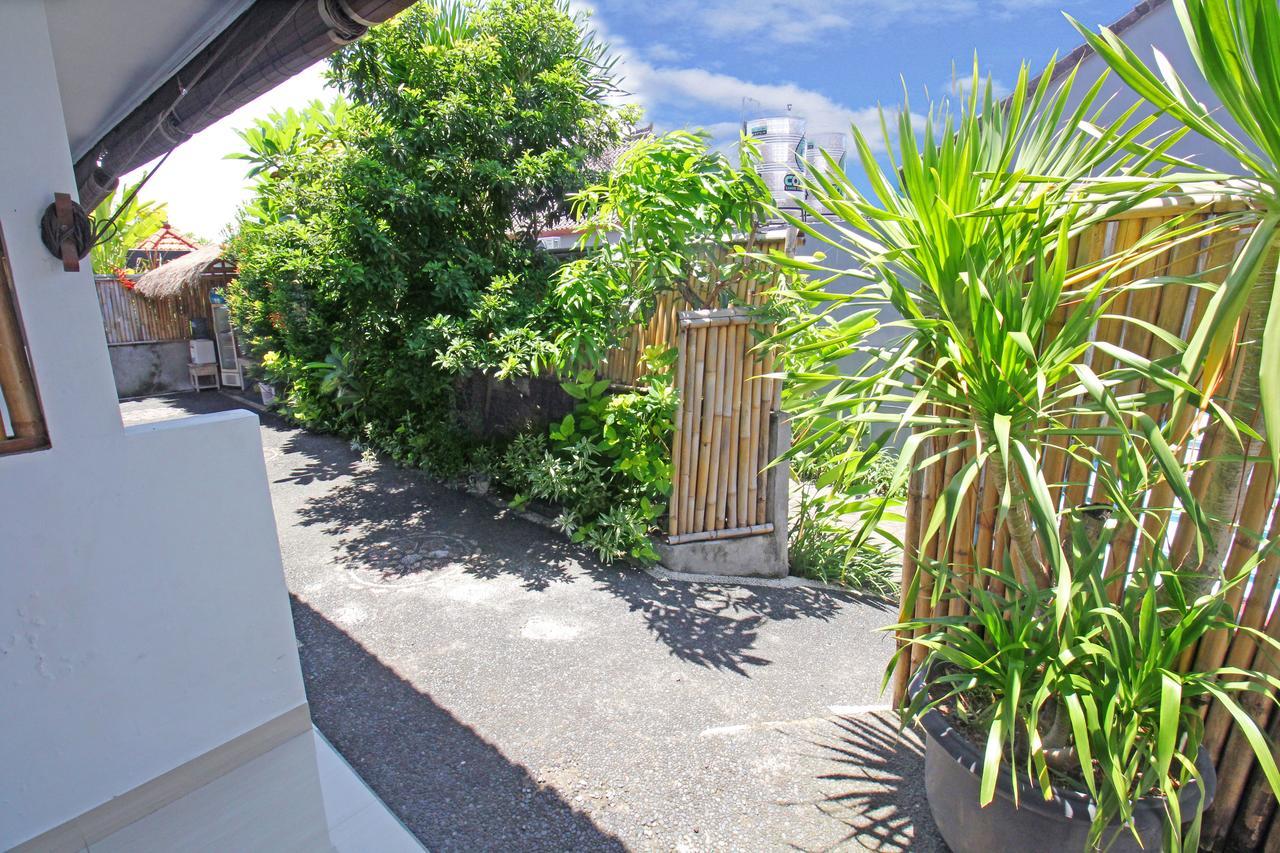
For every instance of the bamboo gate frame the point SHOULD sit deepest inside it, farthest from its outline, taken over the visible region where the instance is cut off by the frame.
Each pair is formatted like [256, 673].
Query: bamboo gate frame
[1244, 812]
[721, 442]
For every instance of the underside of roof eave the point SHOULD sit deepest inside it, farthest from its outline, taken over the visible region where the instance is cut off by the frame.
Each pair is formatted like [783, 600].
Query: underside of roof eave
[267, 44]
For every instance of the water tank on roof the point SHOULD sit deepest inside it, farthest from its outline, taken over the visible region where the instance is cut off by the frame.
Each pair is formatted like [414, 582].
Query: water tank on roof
[835, 144]
[782, 147]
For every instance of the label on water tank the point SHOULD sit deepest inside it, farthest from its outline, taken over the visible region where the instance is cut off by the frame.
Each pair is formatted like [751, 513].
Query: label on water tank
[791, 182]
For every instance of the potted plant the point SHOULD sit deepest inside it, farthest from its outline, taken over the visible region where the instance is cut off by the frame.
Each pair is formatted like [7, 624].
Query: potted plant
[1053, 691]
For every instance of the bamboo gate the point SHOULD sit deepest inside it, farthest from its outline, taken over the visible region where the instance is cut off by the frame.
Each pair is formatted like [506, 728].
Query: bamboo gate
[721, 444]
[1244, 814]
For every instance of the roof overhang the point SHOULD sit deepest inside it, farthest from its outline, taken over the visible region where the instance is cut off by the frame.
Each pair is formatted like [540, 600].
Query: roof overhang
[184, 66]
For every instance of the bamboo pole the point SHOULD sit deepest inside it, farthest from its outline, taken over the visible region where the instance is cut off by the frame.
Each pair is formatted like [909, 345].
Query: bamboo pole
[915, 498]
[767, 395]
[744, 472]
[728, 443]
[699, 436]
[1257, 809]
[721, 534]
[1241, 651]
[16, 382]
[678, 440]
[1237, 758]
[708, 491]
[753, 436]
[735, 429]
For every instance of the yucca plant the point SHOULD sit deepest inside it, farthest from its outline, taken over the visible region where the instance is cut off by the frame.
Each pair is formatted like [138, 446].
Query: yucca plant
[966, 236]
[1096, 705]
[1234, 44]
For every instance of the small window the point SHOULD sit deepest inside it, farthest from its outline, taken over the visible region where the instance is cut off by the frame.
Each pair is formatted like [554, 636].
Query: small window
[21, 421]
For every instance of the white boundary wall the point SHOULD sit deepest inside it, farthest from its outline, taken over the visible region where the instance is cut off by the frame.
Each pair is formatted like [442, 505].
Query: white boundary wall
[144, 618]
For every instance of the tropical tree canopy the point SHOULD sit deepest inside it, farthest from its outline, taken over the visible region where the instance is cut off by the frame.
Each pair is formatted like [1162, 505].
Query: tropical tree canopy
[134, 221]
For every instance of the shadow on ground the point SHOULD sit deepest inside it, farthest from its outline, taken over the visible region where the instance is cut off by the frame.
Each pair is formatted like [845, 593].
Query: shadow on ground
[876, 785]
[455, 790]
[389, 523]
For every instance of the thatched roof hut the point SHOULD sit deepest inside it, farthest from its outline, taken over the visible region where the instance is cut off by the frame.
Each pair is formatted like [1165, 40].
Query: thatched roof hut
[174, 277]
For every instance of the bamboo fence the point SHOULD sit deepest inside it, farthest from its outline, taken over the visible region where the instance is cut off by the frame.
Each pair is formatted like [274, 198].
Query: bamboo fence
[128, 318]
[1244, 814]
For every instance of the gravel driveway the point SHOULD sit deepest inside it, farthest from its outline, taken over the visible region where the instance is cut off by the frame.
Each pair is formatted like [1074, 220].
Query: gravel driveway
[500, 689]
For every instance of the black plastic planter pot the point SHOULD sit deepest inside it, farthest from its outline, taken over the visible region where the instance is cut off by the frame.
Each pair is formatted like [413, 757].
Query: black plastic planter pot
[953, 772]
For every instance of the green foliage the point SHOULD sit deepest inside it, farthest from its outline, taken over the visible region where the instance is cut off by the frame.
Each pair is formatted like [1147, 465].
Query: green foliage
[822, 544]
[388, 236]
[967, 238]
[607, 464]
[134, 222]
[1126, 717]
[1233, 43]
[661, 222]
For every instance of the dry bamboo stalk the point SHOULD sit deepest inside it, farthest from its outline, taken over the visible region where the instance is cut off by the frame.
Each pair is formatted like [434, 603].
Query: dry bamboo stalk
[1257, 809]
[762, 447]
[915, 498]
[1237, 758]
[688, 426]
[707, 494]
[677, 441]
[706, 358]
[1241, 651]
[732, 438]
[697, 378]
[1075, 476]
[753, 436]
[1128, 233]
[984, 551]
[1260, 498]
[19, 389]
[723, 533]
[743, 471]
[1145, 306]
[935, 549]
[726, 506]
[961, 561]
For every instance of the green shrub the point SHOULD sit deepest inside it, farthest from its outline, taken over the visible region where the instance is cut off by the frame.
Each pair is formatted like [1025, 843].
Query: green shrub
[606, 464]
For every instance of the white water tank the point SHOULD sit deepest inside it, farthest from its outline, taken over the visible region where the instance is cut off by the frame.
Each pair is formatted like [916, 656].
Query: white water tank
[835, 144]
[782, 147]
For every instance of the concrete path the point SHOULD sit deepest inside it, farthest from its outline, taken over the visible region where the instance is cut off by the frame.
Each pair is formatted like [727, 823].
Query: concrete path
[501, 690]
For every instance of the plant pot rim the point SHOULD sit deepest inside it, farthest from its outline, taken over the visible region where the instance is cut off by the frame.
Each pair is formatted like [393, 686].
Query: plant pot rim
[1066, 803]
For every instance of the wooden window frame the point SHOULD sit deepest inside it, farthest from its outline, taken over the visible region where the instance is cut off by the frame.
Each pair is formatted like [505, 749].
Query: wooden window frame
[26, 427]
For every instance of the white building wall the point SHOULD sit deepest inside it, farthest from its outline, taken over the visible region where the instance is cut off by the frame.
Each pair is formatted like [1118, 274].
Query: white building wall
[144, 618]
[1159, 29]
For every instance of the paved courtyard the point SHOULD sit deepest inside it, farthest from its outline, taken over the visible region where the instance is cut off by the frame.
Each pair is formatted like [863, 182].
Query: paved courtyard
[500, 689]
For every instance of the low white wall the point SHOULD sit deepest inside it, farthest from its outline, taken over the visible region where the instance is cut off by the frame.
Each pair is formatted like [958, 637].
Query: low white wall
[144, 618]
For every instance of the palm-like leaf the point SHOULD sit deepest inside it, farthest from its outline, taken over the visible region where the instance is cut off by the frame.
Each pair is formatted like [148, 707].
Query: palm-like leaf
[967, 239]
[1233, 43]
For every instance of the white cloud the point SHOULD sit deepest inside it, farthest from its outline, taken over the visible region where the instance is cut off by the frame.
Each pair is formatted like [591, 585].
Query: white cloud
[662, 52]
[202, 188]
[803, 23]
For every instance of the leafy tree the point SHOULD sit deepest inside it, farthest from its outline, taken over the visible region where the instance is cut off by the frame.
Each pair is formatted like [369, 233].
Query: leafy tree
[393, 235]
[134, 221]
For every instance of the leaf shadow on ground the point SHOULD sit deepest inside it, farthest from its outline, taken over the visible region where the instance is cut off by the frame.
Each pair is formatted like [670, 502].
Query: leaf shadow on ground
[399, 526]
[874, 778]
[452, 788]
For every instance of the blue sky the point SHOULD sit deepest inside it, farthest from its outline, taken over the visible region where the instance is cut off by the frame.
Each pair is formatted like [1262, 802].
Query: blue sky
[690, 63]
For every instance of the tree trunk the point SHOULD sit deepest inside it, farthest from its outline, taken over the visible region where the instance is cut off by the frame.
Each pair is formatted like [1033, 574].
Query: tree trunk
[1222, 492]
